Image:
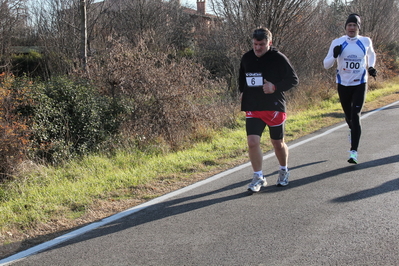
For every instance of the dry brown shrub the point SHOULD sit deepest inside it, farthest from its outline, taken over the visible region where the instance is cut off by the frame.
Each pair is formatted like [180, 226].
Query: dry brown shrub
[311, 91]
[387, 65]
[14, 131]
[171, 100]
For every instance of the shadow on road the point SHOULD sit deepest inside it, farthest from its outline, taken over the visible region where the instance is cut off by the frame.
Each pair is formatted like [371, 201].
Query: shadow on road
[383, 188]
[367, 193]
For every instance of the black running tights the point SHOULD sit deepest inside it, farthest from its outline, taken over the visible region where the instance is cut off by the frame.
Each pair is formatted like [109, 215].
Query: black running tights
[352, 100]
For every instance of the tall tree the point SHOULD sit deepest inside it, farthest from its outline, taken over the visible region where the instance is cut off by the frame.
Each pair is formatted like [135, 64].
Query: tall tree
[65, 29]
[83, 33]
[379, 19]
[13, 28]
[287, 20]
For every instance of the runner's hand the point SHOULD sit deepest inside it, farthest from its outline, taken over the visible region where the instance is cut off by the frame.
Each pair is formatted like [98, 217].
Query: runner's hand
[268, 87]
[337, 50]
[372, 72]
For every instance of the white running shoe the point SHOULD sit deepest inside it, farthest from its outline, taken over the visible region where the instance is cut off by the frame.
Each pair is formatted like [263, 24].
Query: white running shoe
[353, 157]
[283, 178]
[257, 182]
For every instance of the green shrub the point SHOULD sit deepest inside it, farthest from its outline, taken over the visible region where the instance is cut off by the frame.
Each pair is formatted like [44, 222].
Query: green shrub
[30, 64]
[71, 118]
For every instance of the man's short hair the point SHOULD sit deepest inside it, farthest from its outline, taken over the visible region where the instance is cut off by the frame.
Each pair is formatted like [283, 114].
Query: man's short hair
[262, 34]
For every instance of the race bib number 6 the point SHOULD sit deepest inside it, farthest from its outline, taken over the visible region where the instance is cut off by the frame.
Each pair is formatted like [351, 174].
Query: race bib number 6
[254, 79]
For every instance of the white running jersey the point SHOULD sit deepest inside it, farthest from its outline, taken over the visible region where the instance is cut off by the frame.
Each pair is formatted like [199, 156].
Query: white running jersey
[356, 56]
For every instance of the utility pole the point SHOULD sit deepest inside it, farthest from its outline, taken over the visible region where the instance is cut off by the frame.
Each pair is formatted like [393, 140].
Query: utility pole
[83, 34]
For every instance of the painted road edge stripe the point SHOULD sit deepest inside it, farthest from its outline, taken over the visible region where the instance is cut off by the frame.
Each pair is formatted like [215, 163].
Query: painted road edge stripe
[92, 226]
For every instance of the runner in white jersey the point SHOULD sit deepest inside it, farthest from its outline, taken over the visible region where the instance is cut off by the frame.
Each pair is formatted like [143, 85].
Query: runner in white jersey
[355, 57]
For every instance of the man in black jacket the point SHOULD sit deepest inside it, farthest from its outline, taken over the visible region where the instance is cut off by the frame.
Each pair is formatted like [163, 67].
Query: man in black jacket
[265, 74]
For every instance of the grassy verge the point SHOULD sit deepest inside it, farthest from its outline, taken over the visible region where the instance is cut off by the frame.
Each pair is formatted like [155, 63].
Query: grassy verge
[48, 200]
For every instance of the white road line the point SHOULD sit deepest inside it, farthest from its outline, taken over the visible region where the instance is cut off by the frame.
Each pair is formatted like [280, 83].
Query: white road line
[92, 226]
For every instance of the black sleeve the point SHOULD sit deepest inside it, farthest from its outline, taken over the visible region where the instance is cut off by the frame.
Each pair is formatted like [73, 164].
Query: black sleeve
[241, 78]
[289, 77]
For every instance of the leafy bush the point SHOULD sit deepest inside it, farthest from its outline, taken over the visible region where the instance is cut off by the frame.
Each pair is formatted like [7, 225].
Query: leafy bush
[71, 118]
[31, 64]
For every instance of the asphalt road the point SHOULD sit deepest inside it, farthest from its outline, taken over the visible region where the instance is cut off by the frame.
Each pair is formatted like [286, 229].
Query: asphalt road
[331, 213]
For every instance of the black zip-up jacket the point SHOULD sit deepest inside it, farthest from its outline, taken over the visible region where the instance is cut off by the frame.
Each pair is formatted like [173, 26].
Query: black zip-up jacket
[272, 66]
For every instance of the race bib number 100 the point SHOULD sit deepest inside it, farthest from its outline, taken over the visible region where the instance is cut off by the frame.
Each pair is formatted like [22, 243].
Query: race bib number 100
[254, 79]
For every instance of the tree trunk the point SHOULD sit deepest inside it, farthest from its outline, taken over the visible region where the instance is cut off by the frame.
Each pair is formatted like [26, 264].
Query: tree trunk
[83, 28]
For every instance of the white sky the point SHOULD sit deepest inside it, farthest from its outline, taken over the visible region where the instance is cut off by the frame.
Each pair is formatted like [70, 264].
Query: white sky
[193, 4]
[189, 3]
